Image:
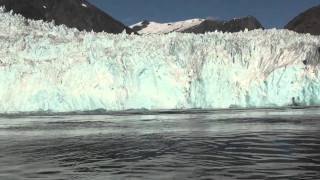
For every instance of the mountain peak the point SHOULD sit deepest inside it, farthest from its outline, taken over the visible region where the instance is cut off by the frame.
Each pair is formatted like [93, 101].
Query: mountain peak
[198, 26]
[78, 14]
[151, 27]
[306, 22]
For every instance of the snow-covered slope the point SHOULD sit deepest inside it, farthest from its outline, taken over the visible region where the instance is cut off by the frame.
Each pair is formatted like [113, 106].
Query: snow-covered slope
[198, 26]
[146, 27]
[47, 67]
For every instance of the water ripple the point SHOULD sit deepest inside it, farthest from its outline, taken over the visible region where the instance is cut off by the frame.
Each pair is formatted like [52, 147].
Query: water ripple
[163, 147]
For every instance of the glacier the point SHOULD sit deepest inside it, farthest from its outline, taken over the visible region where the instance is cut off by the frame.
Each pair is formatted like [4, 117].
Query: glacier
[44, 67]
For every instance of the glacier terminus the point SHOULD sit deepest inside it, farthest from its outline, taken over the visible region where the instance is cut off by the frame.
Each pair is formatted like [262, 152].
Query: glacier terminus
[44, 67]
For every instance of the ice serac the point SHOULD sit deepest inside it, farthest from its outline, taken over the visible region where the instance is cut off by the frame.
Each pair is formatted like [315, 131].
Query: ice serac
[47, 67]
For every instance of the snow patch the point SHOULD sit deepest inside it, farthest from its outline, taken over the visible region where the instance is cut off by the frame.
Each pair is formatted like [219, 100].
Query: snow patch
[164, 28]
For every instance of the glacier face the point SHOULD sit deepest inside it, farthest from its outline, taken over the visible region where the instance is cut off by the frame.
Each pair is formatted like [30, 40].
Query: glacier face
[47, 67]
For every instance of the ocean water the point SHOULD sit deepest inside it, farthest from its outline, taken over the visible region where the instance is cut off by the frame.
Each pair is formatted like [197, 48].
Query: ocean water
[222, 144]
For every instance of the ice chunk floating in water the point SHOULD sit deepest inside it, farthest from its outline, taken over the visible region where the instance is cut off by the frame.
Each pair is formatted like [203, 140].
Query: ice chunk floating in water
[47, 67]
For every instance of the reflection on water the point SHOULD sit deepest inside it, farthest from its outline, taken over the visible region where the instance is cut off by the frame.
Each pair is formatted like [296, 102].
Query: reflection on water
[256, 144]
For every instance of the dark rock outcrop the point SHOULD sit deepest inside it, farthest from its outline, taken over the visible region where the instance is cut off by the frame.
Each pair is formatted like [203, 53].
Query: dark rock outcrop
[306, 22]
[234, 25]
[78, 14]
[141, 26]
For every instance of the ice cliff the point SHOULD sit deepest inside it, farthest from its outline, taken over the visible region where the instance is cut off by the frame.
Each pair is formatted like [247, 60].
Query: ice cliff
[47, 67]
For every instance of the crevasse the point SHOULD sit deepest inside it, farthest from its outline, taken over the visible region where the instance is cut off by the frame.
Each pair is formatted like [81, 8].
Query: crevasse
[46, 67]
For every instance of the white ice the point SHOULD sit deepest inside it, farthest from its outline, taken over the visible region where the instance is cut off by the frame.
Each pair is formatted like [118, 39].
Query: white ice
[47, 67]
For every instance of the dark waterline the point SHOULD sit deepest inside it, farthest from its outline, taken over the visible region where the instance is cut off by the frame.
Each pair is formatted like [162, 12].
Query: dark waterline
[238, 144]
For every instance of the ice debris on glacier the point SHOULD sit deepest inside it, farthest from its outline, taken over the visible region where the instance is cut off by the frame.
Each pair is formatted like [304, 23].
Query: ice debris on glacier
[47, 67]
